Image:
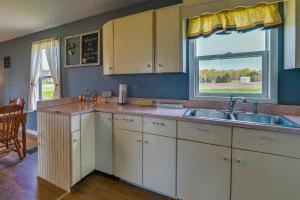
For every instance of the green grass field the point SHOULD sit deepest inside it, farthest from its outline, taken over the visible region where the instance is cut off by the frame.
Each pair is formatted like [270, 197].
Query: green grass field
[234, 87]
[47, 91]
[232, 91]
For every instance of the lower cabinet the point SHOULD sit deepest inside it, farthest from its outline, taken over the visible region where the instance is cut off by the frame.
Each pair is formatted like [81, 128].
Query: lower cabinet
[159, 164]
[262, 176]
[76, 173]
[104, 142]
[128, 155]
[203, 171]
[87, 143]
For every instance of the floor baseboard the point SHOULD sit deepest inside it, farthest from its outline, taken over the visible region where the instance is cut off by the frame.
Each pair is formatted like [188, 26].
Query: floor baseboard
[32, 132]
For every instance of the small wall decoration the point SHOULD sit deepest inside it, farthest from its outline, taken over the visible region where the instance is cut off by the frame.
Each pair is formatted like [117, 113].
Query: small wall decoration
[7, 62]
[82, 50]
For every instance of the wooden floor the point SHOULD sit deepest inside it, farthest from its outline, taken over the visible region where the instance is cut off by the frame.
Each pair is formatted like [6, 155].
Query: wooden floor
[18, 181]
[100, 187]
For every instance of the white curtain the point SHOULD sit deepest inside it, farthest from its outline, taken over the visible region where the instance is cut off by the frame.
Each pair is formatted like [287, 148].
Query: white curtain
[193, 8]
[51, 48]
[35, 71]
[52, 54]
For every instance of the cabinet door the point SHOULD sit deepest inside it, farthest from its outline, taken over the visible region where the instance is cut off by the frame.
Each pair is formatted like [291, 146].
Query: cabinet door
[104, 148]
[108, 48]
[264, 176]
[168, 40]
[76, 157]
[133, 44]
[87, 143]
[128, 155]
[203, 171]
[159, 164]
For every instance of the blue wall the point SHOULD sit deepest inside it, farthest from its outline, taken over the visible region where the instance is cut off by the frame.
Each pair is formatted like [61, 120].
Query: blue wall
[76, 80]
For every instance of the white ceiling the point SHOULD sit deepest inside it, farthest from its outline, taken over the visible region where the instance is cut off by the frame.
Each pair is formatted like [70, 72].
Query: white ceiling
[22, 17]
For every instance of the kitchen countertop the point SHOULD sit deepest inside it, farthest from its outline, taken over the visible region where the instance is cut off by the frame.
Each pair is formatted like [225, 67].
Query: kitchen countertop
[77, 108]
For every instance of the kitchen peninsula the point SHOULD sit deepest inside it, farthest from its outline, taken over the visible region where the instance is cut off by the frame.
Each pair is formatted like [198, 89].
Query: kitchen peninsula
[162, 150]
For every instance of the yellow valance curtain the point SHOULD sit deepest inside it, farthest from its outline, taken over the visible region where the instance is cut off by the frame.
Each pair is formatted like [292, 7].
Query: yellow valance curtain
[241, 19]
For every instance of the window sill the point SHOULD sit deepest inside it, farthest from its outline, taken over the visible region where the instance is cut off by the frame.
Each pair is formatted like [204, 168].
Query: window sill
[227, 98]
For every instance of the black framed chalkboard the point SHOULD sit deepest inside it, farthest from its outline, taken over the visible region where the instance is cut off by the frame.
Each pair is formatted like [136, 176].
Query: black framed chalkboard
[83, 49]
[90, 48]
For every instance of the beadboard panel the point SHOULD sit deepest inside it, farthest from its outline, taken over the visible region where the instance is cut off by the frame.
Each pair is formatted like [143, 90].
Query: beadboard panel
[54, 156]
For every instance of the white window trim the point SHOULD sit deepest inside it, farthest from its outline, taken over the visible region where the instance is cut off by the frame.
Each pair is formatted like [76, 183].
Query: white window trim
[272, 73]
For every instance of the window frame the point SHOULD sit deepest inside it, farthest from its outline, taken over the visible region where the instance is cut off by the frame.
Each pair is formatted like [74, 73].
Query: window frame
[270, 74]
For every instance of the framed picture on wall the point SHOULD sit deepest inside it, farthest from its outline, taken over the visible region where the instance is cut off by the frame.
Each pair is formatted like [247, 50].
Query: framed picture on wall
[83, 50]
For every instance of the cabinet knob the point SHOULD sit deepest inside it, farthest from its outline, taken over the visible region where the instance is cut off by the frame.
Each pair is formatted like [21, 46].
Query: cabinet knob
[75, 140]
[139, 141]
[149, 65]
[160, 65]
[146, 142]
[225, 158]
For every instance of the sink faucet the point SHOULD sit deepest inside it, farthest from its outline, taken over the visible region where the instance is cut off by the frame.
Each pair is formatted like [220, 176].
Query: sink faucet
[233, 101]
[254, 108]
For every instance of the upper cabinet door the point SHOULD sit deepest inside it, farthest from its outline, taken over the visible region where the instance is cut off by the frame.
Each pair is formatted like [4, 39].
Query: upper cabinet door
[108, 48]
[168, 40]
[291, 34]
[133, 44]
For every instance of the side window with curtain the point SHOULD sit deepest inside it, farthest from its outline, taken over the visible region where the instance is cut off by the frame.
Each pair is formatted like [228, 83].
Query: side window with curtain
[46, 83]
[44, 72]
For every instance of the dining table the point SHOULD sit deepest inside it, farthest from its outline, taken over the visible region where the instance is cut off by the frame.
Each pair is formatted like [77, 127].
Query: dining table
[23, 132]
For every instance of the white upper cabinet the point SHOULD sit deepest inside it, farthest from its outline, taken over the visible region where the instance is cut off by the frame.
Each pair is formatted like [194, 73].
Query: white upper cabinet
[133, 44]
[168, 33]
[291, 34]
[147, 42]
[108, 48]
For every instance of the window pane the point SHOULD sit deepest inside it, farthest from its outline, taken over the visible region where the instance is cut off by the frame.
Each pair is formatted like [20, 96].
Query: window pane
[47, 89]
[231, 75]
[231, 43]
[45, 66]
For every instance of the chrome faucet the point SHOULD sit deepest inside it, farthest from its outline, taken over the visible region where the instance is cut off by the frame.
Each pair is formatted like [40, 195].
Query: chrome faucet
[254, 108]
[233, 101]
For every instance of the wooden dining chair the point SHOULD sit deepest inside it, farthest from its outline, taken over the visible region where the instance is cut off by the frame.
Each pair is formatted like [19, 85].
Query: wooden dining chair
[10, 119]
[16, 101]
[19, 102]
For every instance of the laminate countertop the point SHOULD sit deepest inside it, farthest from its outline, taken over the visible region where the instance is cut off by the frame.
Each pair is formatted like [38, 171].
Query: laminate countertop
[77, 108]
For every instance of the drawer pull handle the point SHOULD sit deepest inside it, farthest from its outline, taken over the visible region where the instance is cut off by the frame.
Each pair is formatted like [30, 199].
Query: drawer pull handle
[131, 120]
[159, 124]
[268, 138]
[146, 142]
[75, 140]
[139, 141]
[204, 130]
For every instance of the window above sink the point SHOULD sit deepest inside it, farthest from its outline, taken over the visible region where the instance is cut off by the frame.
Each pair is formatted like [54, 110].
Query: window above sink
[243, 64]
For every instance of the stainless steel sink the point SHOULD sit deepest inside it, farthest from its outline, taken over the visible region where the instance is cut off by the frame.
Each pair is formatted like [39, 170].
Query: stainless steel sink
[264, 119]
[207, 113]
[241, 116]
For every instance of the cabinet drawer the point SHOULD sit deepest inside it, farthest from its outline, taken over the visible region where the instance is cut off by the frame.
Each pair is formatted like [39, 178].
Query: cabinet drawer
[75, 123]
[159, 126]
[220, 135]
[267, 141]
[128, 122]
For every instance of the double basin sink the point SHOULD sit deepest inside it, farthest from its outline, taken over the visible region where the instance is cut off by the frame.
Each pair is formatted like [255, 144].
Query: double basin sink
[242, 116]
